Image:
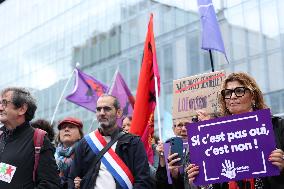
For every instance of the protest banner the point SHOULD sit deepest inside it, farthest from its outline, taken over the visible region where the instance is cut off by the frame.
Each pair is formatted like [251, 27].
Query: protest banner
[232, 147]
[195, 93]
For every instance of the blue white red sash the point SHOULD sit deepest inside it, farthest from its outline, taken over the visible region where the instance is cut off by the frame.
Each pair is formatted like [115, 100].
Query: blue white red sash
[111, 160]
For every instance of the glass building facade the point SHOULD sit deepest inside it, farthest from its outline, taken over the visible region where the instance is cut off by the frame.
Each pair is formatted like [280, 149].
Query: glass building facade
[41, 42]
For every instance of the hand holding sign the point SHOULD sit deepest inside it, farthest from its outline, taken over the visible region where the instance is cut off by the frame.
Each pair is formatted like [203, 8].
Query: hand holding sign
[192, 171]
[233, 148]
[277, 158]
[202, 115]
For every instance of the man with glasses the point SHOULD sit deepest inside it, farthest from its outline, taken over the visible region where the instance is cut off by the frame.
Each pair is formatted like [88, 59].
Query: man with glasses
[17, 109]
[179, 129]
[124, 165]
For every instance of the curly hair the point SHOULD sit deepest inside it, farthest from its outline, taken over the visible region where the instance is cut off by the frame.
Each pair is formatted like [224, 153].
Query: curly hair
[20, 97]
[44, 125]
[247, 81]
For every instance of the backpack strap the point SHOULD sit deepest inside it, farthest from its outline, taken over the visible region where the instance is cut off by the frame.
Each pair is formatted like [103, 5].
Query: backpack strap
[38, 143]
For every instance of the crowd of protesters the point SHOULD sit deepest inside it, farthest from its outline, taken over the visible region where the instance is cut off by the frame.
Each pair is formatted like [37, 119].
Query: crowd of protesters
[111, 157]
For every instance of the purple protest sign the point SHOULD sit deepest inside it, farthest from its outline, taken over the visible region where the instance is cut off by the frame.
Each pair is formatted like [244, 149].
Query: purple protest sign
[166, 155]
[233, 147]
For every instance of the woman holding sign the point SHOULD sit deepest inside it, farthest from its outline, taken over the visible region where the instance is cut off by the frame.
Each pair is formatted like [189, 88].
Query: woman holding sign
[241, 94]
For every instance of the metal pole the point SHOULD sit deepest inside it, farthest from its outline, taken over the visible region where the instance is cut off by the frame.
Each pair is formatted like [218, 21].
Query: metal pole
[62, 94]
[211, 60]
[158, 108]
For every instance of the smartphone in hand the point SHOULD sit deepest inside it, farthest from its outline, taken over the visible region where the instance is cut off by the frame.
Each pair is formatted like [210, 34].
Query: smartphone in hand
[177, 147]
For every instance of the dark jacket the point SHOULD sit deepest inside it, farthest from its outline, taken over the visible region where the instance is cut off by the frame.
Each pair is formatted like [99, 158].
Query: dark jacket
[17, 149]
[180, 183]
[162, 178]
[278, 128]
[131, 151]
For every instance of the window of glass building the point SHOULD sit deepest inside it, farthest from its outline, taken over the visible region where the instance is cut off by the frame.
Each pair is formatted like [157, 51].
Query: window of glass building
[124, 71]
[280, 13]
[193, 54]
[168, 18]
[168, 98]
[275, 71]
[111, 72]
[133, 71]
[275, 102]
[241, 66]
[167, 62]
[255, 43]
[269, 23]
[258, 67]
[239, 43]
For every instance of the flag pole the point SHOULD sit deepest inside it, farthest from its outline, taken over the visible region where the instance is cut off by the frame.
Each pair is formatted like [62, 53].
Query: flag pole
[211, 60]
[158, 108]
[91, 126]
[62, 94]
[112, 81]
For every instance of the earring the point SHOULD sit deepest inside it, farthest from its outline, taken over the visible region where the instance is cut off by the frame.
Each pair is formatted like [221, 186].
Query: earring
[253, 106]
[227, 111]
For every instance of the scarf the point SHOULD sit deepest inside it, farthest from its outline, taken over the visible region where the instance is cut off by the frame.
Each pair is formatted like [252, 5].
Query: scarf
[64, 157]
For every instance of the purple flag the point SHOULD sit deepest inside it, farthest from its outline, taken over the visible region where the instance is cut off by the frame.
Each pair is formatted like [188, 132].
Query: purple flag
[211, 35]
[120, 90]
[87, 90]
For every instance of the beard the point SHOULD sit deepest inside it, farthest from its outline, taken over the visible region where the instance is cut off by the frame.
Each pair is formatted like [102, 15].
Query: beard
[108, 124]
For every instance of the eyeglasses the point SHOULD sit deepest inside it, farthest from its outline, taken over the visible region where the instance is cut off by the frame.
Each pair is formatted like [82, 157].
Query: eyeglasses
[5, 102]
[105, 108]
[239, 92]
[180, 125]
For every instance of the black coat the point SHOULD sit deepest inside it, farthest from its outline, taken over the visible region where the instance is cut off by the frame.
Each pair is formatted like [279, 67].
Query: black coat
[18, 150]
[131, 151]
[162, 179]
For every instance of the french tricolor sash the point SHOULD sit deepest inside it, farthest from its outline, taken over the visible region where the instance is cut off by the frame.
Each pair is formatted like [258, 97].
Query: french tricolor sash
[111, 160]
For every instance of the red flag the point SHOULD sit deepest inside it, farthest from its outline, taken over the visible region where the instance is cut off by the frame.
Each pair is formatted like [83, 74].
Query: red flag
[143, 115]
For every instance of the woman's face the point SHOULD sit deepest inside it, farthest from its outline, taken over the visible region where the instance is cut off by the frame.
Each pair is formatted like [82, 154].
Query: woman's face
[126, 123]
[242, 102]
[69, 134]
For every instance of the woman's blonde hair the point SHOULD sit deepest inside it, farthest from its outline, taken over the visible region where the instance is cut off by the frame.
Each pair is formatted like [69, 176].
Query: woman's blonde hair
[248, 82]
